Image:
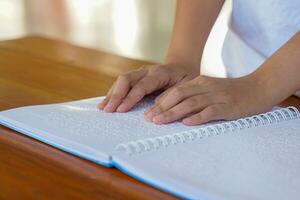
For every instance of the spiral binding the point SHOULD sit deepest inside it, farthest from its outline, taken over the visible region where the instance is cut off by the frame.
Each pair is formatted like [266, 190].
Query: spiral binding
[155, 143]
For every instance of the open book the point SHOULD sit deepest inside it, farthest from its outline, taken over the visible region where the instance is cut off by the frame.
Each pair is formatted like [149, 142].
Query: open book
[256, 157]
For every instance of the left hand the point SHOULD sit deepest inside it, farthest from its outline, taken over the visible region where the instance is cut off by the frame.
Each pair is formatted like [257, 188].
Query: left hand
[205, 99]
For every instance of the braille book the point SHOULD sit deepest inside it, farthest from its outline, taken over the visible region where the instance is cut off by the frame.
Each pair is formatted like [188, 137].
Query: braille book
[256, 157]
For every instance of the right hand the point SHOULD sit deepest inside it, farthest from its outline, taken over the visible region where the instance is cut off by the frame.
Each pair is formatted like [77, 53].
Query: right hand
[130, 88]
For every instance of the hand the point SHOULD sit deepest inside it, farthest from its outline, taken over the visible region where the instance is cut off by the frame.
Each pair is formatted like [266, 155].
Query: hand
[130, 88]
[205, 99]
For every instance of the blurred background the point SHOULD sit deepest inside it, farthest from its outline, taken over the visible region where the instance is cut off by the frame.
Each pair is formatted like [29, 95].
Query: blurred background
[139, 29]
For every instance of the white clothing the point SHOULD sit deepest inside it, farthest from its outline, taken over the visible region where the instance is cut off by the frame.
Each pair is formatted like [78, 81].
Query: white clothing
[257, 29]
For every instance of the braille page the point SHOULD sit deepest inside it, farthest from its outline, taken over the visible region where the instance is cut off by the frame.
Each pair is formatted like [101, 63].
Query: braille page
[257, 163]
[82, 129]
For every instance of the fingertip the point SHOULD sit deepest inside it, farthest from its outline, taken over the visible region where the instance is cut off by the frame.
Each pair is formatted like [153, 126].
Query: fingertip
[189, 122]
[146, 117]
[109, 108]
[160, 119]
[149, 109]
[100, 106]
[157, 121]
[153, 112]
[123, 108]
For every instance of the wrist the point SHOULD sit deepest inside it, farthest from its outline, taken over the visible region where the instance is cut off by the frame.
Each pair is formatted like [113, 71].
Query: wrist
[271, 88]
[188, 64]
[258, 80]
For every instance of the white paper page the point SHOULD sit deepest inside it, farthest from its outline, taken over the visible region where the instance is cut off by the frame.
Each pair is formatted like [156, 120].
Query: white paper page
[82, 129]
[257, 163]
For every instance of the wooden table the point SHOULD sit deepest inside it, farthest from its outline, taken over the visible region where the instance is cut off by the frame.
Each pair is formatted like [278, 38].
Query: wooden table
[35, 70]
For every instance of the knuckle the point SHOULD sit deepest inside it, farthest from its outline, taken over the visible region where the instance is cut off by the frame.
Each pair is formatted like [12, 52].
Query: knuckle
[142, 88]
[212, 110]
[192, 102]
[124, 78]
[178, 92]
[158, 69]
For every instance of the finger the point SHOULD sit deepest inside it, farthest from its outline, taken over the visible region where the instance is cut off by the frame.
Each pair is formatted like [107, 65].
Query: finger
[174, 97]
[121, 88]
[188, 106]
[155, 102]
[158, 98]
[210, 113]
[102, 104]
[119, 91]
[162, 94]
[141, 88]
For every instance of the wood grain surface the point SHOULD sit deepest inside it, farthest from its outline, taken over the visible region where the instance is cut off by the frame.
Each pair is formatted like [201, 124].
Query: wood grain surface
[36, 70]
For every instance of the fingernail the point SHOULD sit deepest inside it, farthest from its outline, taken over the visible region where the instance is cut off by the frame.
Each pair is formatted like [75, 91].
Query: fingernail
[152, 113]
[158, 119]
[187, 121]
[122, 108]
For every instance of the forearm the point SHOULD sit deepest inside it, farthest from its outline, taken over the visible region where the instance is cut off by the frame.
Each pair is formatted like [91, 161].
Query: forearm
[280, 74]
[193, 22]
